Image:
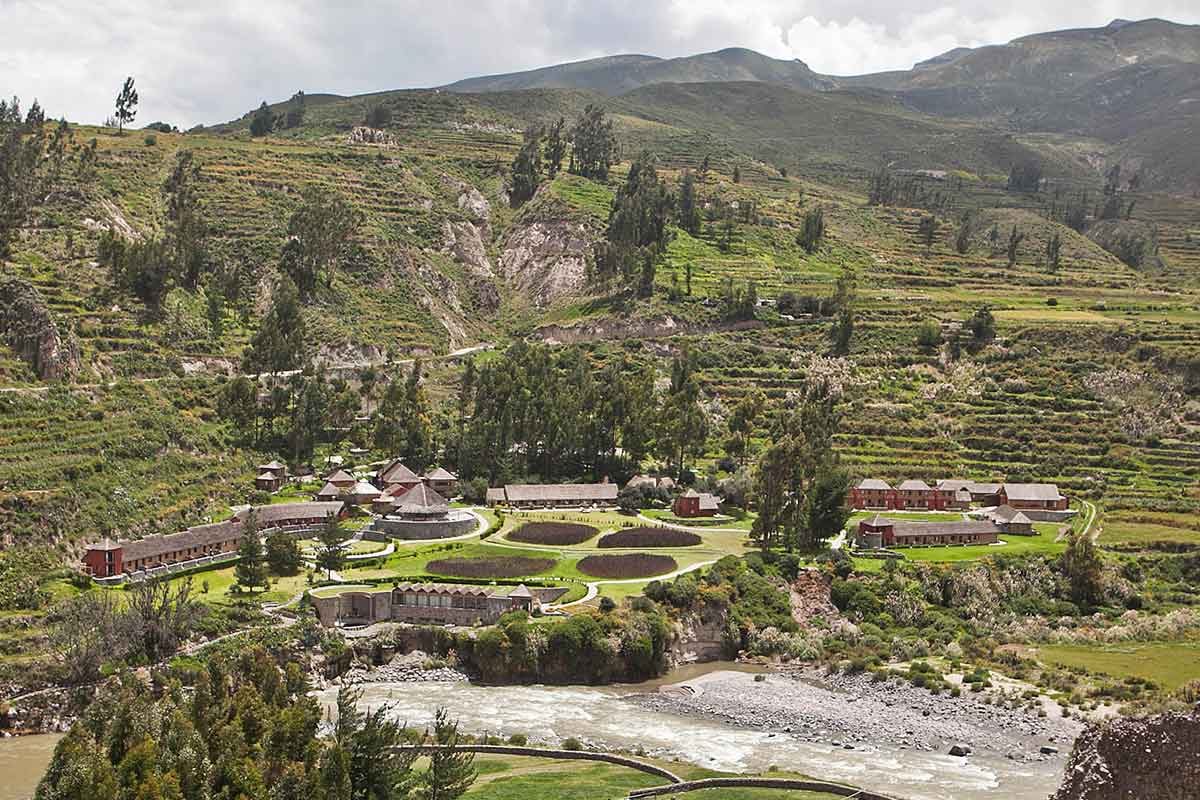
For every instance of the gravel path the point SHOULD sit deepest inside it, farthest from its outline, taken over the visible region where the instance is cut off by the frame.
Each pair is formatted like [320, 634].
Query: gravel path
[856, 712]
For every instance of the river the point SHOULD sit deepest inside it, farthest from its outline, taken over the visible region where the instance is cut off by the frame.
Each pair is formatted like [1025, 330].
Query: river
[23, 759]
[602, 716]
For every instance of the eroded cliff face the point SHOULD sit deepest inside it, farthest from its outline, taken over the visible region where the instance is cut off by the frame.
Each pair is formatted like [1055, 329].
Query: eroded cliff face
[546, 260]
[700, 636]
[1134, 759]
[464, 242]
[28, 327]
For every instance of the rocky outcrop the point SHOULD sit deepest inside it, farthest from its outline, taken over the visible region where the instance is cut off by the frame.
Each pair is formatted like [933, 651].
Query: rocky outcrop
[1136, 758]
[364, 135]
[464, 242]
[810, 597]
[700, 636]
[547, 259]
[26, 324]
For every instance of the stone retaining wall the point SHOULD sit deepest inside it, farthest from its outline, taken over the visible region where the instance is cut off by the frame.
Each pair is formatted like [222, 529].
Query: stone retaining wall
[413, 529]
[572, 755]
[760, 783]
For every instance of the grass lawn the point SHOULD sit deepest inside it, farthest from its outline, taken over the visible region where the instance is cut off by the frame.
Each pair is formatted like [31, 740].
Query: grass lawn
[220, 585]
[1143, 528]
[1043, 543]
[1168, 664]
[667, 515]
[507, 778]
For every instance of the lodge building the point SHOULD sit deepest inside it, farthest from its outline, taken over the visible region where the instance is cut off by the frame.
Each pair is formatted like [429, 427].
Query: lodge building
[113, 559]
[955, 495]
[427, 603]
[554, 495]
[695, 504]
[879, 532]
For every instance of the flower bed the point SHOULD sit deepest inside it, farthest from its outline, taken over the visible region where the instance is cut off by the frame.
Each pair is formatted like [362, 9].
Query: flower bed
[650, 537]
[631, 565]
[554, 533]
[490, 566]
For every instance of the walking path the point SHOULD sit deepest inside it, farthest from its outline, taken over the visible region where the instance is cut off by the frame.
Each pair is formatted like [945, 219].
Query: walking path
[593, 587]
[689, 528]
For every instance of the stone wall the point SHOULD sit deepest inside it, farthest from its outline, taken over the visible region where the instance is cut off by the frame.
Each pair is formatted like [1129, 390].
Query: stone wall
[422, 529]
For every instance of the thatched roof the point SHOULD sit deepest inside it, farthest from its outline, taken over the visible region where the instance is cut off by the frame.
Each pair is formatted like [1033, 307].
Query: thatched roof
[560, 492]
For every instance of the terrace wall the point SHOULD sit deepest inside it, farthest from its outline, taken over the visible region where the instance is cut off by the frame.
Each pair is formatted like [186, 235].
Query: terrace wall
[424, 529]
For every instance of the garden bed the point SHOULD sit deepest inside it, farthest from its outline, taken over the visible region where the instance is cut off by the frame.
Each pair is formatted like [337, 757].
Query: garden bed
[552, 533]
[490, 566]
[630, 565]
[650, 537]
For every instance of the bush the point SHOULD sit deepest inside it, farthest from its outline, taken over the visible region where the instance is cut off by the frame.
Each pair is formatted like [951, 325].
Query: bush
[490, 566]
[650, 537]
[631, 565]
[150, 140]
[552, 533]
[607, 604]
[518, 740]
[571, 743]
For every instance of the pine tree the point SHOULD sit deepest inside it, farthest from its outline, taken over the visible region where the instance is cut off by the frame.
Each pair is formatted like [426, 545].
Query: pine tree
[127, 100]
[329, 545]
[251, 569]
[263, 121]
[688, 212]
[283, 553]
[527, 167]
[1054, 252]
[812, 230]
[451, 772]
[556, 148]
[1015, 238]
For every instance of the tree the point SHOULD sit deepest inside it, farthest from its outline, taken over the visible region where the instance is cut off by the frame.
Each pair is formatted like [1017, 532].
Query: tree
[556, 148]
[741, 425]
[22, 174]
[1084, 568]
[843, 302]
[929, 334]
[527, 167]
[251, 568]
[1025, 176]
[1015, 238]
[321, 231]
[737, 174]
[378, 116]
[127, 100]
[329, 545]
[451, 772]
[278, 344]
[295, 111]
[688, 212]
[812, 229]
[593, 144]
[186, 228]
[1053, 251]
[637, 233]
[982, 325]
[962, 238]
[825, 509]
[927, 229]
[263, 121]
[283, 553]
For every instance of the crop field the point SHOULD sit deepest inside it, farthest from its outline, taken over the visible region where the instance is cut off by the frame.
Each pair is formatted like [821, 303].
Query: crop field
[552, 533]
[626, 565]
[650, 537]
[490, 566]
[1169, 664]
[1143, 528]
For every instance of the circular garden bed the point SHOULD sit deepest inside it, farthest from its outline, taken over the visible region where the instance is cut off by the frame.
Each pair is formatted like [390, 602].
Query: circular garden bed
[650, 537]
[490, 566]
[631, 565]
[554, 533]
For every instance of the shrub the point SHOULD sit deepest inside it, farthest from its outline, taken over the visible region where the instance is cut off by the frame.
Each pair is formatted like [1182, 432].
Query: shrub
[490, 566]
[571, 743]
[552, 533]
[650, 537]
[518, 740]
[630, 565]
[607, 604]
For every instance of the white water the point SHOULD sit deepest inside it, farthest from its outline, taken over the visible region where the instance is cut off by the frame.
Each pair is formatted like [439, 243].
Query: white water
[600, 716]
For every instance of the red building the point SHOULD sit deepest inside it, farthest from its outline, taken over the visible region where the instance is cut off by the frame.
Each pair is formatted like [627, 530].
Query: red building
[873, 493]
[882, 532]
[915, 493]
[1040, 496]
[694, 504]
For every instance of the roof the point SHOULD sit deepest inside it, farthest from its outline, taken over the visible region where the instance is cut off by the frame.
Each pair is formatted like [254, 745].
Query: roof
[341, 476]
[1032, 491]
[268, 476]
[523, 492]
[364, 489]
[983, 488]
[285, 512]
[272, 465]
[330, 490]
[953, 484]
[496, 494]
[1020, 519]
[913, 485]
[396, 472]
[879, 522]
[960, 527]
[521, 591]
[690, 493]
[641, 480]
[874, 484]
[422, 500]
[107, 544]
[709, 502]
[440, 474]
[1003, 513]
[197, 536]
[399, 489]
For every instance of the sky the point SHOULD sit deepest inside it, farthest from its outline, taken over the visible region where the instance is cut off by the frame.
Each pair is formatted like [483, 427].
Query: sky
[211, 61]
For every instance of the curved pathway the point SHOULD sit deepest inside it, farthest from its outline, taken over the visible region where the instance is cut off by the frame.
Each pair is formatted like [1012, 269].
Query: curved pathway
[593, 587]
[689, 528]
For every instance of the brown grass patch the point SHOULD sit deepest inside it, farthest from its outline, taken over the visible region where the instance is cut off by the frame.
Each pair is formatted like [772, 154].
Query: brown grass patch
[631, 565]
[650, 537]
[552, 533]
[490, 566]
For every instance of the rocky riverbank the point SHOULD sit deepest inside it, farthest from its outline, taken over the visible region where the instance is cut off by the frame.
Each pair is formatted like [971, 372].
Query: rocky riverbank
[856, 712]
[414, 667]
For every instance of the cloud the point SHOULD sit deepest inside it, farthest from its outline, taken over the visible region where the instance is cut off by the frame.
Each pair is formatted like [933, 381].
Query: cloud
[212, 61]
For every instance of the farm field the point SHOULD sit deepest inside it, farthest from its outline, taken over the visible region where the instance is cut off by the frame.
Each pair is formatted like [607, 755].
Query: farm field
[1146, 528]
[1168, 664]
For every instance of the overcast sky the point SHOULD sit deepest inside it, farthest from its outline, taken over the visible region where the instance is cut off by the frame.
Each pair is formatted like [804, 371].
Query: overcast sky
[212, 60]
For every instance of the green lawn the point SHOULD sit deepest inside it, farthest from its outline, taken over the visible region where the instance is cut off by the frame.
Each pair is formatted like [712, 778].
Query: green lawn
[1043, 543]
[1143, 528]
[220, 585]
[507, 778]
[1168, 664]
